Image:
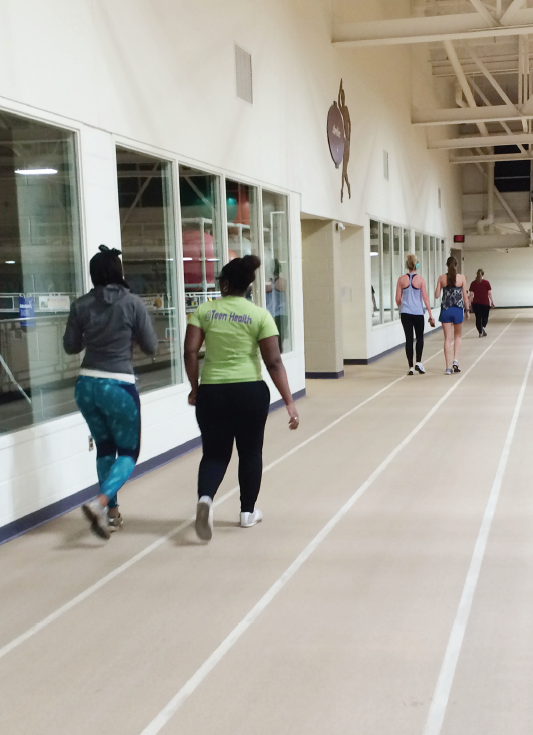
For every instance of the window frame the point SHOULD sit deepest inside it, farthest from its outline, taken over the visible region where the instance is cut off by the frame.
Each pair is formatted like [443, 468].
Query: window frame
[436, 244]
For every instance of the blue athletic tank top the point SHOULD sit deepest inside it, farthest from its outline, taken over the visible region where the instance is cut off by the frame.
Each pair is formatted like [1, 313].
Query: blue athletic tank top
[412, 302]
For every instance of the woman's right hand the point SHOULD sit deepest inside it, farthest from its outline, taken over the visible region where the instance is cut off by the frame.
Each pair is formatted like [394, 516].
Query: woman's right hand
[294, 419]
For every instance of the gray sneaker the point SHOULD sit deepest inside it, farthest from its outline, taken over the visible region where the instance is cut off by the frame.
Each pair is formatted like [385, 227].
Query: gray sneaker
[114, 519]
[96, 514]
[204, 518]
[449, 371]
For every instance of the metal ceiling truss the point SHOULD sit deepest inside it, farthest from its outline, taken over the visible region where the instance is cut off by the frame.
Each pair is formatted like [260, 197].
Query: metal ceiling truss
[493, 42]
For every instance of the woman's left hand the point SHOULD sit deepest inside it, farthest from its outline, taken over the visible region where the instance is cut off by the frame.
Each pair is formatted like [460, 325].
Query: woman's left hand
[192, 398]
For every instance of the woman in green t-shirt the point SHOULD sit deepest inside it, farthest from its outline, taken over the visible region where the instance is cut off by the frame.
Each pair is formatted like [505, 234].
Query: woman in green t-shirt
[233, 400]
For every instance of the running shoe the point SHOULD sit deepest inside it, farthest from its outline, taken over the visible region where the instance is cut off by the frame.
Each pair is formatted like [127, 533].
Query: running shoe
[96, 514]
[484, 332]
[204, 518]
[448, 371]
[481, 335]
[250, 519]
[114, 519]
[456, 368]
[411, 371]
[420, 368]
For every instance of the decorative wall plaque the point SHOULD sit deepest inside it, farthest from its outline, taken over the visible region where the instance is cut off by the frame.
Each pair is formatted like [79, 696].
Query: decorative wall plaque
[339, 133]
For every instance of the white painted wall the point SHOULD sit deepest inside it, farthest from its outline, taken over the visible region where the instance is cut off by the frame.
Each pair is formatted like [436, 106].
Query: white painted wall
[510, 274]
[159, 75]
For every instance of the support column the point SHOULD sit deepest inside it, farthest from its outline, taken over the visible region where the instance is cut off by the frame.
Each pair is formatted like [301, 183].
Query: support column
[322, 299]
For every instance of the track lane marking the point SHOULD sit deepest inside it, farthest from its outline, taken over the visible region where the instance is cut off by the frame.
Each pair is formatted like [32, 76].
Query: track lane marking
[190, 686]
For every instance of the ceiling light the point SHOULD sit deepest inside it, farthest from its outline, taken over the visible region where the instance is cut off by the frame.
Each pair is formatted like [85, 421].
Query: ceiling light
[374, 255]
[36, 171]
[187, 258]
[10, 262]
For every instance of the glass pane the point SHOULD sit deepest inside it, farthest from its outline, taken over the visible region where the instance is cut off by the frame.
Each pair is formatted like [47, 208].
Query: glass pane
[241, 212]
[432, 278]
[387, 274]
[425, 264]
[202, 236]
[149, 258]
[277, 264]
[397, 262]
[375, 272]
[418, 251]
[406, 246]
[40, 271]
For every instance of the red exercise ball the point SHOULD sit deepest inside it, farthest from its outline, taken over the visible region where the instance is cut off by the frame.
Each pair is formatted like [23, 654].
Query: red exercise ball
[192, 253]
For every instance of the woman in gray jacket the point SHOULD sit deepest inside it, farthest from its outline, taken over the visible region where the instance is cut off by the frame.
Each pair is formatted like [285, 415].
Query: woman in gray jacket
[106, 322]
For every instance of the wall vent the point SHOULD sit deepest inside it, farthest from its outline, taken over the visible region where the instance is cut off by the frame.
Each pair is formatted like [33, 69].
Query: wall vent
[385, 165]
[243, 74]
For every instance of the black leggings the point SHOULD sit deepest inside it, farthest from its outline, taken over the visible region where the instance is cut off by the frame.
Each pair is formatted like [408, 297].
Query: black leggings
[416, 322]
[226, 412]
[482, 316]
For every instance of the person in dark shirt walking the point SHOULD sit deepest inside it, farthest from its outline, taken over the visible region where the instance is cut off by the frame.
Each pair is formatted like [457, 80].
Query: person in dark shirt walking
[481, 301]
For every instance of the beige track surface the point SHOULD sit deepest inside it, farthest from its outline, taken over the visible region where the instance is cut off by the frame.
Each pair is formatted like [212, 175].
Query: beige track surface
[355, 640]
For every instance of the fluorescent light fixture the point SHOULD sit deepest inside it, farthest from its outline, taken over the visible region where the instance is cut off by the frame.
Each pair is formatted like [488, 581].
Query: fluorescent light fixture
[10, 262]
[36, 171]
[187, 258]
[213, 260]
[374, 255]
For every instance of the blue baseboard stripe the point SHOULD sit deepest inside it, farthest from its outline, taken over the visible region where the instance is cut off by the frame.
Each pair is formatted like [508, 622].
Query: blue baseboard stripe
[65, 505]
[324, 376]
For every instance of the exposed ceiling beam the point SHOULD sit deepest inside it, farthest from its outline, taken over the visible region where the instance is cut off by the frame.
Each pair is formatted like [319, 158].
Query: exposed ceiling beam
[461, 115]
[454, 60]
[425, 29]
[528, 106]
[504, 125]
[491, 157]
[484, 13]
[505, 97]
[483, 140]
[510, 16]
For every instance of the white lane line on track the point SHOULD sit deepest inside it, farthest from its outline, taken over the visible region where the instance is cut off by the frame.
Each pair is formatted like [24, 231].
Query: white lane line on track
[441, 696]
[159, 722]
[160, 541]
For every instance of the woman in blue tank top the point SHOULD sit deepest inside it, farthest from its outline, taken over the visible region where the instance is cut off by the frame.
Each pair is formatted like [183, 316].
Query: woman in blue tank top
[411, 295]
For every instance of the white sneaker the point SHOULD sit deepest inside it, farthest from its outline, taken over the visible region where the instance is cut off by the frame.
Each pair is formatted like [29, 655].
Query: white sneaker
[204, 518]
[96, 514]
[411, 371]
[250, 519]
[420, 368]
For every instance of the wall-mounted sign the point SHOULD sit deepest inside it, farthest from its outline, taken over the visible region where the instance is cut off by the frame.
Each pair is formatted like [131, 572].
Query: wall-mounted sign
[27, 310]
[154, 302]
[458, 238]
[339, 132]
[54, 302]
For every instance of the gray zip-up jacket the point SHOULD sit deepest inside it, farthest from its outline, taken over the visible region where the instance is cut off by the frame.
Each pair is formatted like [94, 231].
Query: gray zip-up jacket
[105, 323]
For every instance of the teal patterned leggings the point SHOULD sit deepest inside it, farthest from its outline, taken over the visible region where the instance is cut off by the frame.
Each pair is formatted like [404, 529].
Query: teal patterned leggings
[112, 411]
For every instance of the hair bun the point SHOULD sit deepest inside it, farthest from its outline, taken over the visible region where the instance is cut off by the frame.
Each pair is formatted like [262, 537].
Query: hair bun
[251, 263]
[109, 251]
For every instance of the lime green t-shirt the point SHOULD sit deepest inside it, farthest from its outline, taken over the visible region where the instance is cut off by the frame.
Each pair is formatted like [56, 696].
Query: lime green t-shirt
[233, 327]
